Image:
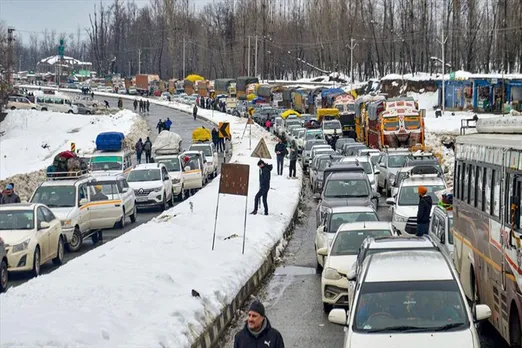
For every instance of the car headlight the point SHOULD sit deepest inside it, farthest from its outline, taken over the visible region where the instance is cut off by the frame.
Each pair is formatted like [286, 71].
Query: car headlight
[399, 218]
[332, 274]
[158, 189]
[392, 178]
[65, 223]
[21, 246]
[176, 181]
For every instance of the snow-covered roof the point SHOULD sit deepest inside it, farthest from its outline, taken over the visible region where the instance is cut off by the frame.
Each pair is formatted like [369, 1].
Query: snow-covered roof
[457, 75]
[69, 60]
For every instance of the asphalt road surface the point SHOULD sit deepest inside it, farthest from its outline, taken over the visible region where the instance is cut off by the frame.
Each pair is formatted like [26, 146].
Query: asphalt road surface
[183, 124]
[292, 295]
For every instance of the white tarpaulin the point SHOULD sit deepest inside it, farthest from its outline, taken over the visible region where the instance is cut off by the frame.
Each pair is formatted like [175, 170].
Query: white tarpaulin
[167, 142]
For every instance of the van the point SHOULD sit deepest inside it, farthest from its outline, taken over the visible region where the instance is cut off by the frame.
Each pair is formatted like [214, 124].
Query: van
[21, 103]
[56, 104]
[110, 162]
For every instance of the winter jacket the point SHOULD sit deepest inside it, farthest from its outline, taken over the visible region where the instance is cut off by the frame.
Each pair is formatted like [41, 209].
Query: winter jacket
[147, 146]
[139, 147]
[281, 148]
[264, 176]
[168, 124]
[268, 338]
[215, 136]
[293, 156]
[424, 210]
[13, 198]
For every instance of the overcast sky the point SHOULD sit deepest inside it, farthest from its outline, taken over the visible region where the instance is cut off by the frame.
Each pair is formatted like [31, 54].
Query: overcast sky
[67, 16]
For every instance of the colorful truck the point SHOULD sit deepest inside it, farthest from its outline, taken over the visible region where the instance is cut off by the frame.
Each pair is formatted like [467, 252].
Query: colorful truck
[345, 103]
[361, 115]
[394, 123]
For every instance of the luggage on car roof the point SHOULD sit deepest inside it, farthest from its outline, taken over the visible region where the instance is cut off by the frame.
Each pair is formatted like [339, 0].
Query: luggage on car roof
[110, 141]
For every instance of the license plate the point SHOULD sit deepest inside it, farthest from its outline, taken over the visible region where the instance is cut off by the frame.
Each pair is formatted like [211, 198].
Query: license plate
[142, 199]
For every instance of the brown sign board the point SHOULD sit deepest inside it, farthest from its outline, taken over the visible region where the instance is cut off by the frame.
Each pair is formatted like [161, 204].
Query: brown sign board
[261, 150]
[234, 179]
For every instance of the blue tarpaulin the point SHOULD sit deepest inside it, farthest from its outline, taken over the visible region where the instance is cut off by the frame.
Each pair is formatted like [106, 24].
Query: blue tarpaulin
[332, 91]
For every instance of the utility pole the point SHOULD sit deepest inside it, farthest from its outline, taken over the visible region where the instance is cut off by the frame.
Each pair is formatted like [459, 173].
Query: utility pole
[351, 47]
[442, 42]
[255, 60]
[10, 39]
[184, 73]
[248, 64]
[139, 61]
[130, 69]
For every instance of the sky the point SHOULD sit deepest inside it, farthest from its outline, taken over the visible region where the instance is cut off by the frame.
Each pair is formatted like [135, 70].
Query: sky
[28, 16]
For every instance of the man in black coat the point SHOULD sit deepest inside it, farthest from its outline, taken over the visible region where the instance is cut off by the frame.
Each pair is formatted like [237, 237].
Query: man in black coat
[280, 150]
[424, 211]
[264, 186]
[215, 138]
[257, 332]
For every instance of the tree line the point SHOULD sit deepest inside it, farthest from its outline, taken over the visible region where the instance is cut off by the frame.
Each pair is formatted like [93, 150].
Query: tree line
[294, 38]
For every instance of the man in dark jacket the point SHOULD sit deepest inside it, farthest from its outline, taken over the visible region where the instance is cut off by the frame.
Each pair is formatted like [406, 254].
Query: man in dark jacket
[160, 126]
[257, 332]
[280, 150]
[264, 186]
[293, 160]
[9, 197]
[147, 147]
[215, 138]
[139, 150]
[424, 211]
[147, 105]
[195, 112]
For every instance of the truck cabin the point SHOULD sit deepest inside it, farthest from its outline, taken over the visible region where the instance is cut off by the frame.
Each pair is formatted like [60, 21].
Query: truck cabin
[324, 114]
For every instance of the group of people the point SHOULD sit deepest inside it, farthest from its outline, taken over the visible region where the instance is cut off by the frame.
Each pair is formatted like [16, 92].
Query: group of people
[144, 105]
[8, 195]
[210, 103]
[219, 143]
[164, 125]
[144, 147]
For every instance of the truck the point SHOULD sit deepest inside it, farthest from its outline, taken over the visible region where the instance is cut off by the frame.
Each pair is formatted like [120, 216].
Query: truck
[395, 123]
[242, 84]
[142, 83]
[221, 85]
[338, 99]
[361, 115]
[166, 149]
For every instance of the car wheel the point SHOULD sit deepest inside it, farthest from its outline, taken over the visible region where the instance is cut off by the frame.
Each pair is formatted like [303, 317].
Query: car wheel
[70, 112]
[87, 112]
[133, 215]
[58, 260]
[318, 267]
[44, 109]
[388, 190]
[3, 276]
[36, 263]
[182, 195]
[13, 108]
[76, 241]
[121, 224]
[327, 308]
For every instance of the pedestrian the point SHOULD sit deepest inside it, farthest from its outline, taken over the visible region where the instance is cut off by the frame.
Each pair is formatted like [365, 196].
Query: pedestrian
[141, 105]
[135, 103]
[8, 196]
[160, 126]
[147, 147]
[293, 160]
[221, 144]
[106, 104]
[195, 112]
[92, 95]
[268, 124]
[215, 138]
[257, 331]
[280, 150]
[264, 186]
[120, 103]
[139, 150]
[148, 105]
[168, 124]
[423, 211]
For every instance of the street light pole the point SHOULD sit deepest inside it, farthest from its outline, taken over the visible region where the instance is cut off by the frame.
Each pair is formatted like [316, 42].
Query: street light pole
[184, 65]
[442, 42]
[351, 47]
[139, 61]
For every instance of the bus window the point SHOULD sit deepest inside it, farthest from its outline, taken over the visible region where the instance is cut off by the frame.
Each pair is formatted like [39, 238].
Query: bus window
[472, 187]
[465, 184]
[411, 122]
[489, 178]
[495, 187]
[517, 189]
[391, 124]
[480, 191]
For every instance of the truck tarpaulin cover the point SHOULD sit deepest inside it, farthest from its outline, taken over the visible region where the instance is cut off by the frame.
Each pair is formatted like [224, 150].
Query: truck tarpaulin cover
[222, 84]
[201, 134]
[244, 81]
[167, 142]
[313, 93]
[264, 91]
[110, 141]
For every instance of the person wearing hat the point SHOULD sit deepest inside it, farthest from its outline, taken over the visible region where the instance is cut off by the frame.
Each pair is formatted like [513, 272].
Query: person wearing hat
[9, 197]
[258, 332]
[423, 211]
[99, 195]
[264, 186]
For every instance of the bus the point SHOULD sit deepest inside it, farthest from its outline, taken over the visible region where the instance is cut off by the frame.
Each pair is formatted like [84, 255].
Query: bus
[486, 227]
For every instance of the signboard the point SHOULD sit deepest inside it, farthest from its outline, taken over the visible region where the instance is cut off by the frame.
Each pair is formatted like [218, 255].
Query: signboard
[261, 150]
[224, 129]
[234, 179]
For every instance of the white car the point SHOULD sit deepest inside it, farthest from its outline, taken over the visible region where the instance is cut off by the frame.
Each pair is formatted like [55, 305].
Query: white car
[388, 164]
[124, 193]
[173, 164]
[341, 257]
[368, 168]
[332, 127]
[152, 185]
[194, 170]
[21, 103]
[32, 235]
[409, 299]
[110, 162]
[82, 211]
[404, 207]
[211, 157]
[333, 219]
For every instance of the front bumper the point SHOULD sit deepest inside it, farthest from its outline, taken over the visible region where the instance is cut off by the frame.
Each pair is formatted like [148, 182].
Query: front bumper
[153, 198]
[335, 292]
[21, 261]
[176, 188]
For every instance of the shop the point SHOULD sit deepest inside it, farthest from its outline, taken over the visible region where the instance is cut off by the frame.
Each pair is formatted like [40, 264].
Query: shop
[514, 94]
[458, 95]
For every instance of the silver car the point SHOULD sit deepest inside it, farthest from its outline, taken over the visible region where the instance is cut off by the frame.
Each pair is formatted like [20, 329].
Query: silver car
[84, 109]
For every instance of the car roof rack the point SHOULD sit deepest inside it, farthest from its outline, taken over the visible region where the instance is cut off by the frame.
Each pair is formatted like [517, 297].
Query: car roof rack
[423, 170]
[67, 175]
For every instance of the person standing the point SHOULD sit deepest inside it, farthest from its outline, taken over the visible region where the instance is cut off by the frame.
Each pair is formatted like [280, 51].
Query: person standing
[8, 196]
[221, 144]
[293, 161]
[280, 150]
[139, 150]
[160, 126]
[264, 186]
[120, 103]
[215, 138]
[148, 105]
[195, 111]
[423, 211]
[135, 104]
[147, 147]
[141, 105]
[268, 124]
[168, 124]
[257, 331]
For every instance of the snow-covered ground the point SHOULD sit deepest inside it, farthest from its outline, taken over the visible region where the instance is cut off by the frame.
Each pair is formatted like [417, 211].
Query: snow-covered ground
[135, 291]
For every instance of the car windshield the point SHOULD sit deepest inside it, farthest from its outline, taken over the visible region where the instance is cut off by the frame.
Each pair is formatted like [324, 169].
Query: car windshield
[412, 306]
[310, 144]
[332, 125]
[55, 196]
[172, 164]
[374, 159]
[205, 149]
[349, 242]
[16, 220]
[144, 175]
[340, 142]
[397, 161]
[301, 134]
[409, 194]
[357, 216]
[368, 169]
[292, 123]
[323, 162]
[105, 166]
[314, 135]
[346, 188]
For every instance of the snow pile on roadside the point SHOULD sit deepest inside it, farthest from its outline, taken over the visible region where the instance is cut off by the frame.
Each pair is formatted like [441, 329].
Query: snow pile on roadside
[136, 290]
[426, 100]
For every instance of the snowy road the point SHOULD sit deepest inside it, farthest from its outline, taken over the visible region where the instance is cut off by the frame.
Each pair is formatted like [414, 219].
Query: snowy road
[293, 297]
[183, 124]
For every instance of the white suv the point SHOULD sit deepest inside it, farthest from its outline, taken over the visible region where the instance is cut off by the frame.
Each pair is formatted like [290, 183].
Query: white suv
[125, 193]
[173, 164]
[152, 185]
[211, 156]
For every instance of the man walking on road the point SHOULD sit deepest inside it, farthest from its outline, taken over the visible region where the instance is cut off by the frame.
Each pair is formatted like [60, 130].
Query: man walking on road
[139, 150]
[257, 331]
[293, 161]
[215, 138]
[147, 103]
[135, 104]
[264, 186]
[167, 124]
[160, 126]
[147, 147]
[195, 111]
[280, 150]
[423, 212]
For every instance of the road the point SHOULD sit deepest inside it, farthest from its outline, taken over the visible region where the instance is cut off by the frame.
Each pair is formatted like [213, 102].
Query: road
[292, 295]
[183, 124]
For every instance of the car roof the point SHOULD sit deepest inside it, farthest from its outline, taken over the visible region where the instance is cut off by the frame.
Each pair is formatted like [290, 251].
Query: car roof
[400, 242]
[353, 159]
[147, 166]
[414, 265]
[18, 206]
[366, 225]
[348, 175]
[109, 177]
[429, 179]
[353, 209]
[68, 182]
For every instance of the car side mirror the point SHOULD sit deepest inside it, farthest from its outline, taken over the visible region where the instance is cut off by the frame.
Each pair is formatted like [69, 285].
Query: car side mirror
[338, 316]
[352, 275]
[322, 251]
[125, 189]
[44, 225]
[482, 312]
[377, 172]
[187, 168]
[83, 201]
[390, 201]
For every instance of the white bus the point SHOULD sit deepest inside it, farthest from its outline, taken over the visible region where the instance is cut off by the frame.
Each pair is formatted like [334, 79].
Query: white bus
[56, 104]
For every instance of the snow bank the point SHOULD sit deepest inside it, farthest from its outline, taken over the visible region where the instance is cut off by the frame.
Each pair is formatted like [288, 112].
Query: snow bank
[426, 100]
[135, 291]
[32, 139]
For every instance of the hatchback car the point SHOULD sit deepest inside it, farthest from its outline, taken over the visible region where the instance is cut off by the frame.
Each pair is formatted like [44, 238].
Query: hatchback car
[152, 185]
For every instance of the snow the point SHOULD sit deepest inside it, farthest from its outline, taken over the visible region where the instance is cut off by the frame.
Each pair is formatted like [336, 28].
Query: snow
[32, 138]
[135, 291]
[426, 100]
